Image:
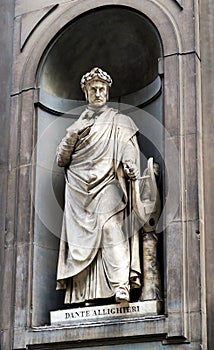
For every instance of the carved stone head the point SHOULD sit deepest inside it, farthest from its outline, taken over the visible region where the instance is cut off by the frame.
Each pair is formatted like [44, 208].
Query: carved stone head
[95, 84]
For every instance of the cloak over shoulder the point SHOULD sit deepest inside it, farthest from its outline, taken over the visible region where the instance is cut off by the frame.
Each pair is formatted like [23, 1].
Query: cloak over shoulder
[95, 191]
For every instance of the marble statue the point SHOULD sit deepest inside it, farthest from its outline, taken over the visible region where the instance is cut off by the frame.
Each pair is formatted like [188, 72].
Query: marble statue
[100, 254]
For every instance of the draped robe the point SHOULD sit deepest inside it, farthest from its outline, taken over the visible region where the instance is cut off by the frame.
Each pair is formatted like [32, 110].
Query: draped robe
[97, 252]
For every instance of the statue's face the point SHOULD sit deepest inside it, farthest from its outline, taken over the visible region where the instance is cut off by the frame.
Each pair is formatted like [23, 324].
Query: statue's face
[96, 93]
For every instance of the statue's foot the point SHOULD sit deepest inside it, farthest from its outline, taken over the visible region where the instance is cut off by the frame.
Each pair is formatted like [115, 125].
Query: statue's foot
[121, 295]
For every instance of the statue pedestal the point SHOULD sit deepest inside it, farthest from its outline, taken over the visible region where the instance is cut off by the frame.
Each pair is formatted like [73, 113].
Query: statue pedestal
[105, 312]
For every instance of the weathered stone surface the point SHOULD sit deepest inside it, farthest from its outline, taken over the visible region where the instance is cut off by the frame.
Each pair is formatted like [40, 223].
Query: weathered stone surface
[31, 20]
[181, 112]
[105, 313]
[3, 223]
[196, 331]
[6, 256]
[144, 346]
[165, 14]
[23, 225]
[174, 192]
[27, 127]
[179, 2]
[174, 235]
[14, 140]
[23, 252]
[171, 113]
[190, 76]
[7, 295]
[191, 190]
[24, 6]
[11, 203]
[44, 295]
[74, 334]
[193, 273]
[207, 169]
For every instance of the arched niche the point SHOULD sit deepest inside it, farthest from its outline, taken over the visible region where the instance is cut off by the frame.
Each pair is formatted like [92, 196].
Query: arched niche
[123, 42]
[118, 38]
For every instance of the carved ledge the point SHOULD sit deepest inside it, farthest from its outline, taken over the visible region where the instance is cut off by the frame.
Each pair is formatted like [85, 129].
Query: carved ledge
[107, 313]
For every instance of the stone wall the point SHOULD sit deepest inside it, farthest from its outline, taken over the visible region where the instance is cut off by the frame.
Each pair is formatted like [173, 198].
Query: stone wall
[188, 261]
[6, 251]
[206, 171]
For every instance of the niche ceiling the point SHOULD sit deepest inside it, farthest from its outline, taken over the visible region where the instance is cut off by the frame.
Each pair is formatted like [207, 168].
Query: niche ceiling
[116, 39]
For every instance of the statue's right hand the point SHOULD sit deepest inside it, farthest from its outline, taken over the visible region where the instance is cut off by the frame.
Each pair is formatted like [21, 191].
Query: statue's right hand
[79, 129]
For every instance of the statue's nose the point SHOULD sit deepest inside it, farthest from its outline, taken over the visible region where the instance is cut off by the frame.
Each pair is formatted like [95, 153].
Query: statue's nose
[97, 93]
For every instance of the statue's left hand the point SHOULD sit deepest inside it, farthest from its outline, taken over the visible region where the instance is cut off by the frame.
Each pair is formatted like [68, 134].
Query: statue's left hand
[131, 170]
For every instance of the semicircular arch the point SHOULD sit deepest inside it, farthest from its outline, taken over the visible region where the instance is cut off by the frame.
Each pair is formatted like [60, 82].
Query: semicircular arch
[35, 54]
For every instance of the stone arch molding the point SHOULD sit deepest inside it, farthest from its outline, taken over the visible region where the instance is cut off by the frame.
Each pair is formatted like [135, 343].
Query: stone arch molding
[41, 38]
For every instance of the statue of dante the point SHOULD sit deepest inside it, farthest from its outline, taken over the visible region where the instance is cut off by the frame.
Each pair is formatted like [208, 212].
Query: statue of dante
[98, 257]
